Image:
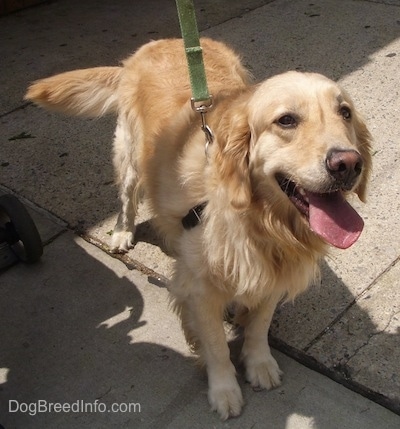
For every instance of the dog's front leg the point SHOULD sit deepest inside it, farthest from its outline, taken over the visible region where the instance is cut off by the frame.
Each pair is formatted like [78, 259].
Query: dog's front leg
[224, 393]
[262, 370]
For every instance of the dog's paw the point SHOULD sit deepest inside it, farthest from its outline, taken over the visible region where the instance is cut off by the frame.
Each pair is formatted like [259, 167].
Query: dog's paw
[122, 241]
[226, 398]
[263, 374]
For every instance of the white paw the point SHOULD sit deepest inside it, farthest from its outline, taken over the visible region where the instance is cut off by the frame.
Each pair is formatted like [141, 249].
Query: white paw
[226, 398]
[263, 373]
[122, 241]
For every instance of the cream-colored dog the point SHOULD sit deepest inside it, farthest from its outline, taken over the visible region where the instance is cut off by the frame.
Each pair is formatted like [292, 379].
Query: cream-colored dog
[269, 192]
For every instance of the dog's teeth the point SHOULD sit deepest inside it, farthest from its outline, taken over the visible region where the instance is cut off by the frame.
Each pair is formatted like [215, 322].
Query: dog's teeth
[303, 193]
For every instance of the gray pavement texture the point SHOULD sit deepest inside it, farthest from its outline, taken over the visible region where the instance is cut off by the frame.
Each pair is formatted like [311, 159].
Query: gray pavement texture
[82, 325]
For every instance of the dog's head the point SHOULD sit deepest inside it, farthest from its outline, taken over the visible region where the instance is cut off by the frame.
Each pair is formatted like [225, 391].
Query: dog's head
[300, 148]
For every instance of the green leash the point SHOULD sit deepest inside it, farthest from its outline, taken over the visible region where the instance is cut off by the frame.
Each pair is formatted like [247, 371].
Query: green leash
[194, 53]
[201, 99]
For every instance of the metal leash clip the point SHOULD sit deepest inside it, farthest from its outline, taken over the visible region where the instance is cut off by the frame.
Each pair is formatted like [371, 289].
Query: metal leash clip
[203, 107]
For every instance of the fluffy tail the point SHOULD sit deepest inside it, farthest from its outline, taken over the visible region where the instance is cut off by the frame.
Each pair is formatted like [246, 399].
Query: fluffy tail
[88, 92]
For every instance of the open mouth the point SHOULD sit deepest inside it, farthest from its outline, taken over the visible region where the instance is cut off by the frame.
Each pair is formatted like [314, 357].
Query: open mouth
[296, 194]
[329, 215]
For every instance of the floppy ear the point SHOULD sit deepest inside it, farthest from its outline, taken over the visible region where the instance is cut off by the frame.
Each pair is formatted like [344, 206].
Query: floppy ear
[364, 140]
[87, 92]
[232, 159]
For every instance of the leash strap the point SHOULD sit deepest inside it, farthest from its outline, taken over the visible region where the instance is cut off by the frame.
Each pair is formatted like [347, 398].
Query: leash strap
[201, 99]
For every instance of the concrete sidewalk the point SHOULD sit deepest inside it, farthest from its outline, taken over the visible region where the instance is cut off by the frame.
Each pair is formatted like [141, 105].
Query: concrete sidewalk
[348, 327]
[81, 328]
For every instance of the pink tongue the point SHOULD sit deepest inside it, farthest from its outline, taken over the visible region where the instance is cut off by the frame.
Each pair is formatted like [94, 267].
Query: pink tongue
[333, 218]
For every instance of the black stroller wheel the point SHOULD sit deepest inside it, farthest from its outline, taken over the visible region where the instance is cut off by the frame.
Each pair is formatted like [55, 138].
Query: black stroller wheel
[19, 230]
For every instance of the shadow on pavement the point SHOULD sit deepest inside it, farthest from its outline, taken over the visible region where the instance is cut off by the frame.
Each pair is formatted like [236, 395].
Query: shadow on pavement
[73, 329]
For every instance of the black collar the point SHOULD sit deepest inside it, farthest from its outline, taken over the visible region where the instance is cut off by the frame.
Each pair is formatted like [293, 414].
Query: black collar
[193, 217]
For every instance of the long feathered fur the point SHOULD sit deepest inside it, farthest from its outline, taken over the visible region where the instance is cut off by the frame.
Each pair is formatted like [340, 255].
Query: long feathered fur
[253, 247]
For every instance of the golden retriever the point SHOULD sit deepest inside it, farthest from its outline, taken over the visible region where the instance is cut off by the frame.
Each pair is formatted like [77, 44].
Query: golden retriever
[268, 192]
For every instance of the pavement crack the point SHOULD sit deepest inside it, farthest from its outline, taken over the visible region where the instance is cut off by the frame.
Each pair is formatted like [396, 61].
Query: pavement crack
[370, 337]
[101, 396]
[153, 277]
[349, 306]
[16, 109]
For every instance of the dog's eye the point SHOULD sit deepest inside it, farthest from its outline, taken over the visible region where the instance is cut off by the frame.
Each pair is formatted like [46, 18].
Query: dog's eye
[287, 121]
[345, 112]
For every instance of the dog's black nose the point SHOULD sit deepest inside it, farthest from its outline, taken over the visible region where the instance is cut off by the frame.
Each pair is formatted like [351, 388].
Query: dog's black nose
[344, 166]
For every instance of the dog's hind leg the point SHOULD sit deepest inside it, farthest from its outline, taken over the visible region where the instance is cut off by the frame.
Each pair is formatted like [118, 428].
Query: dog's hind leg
[125, 164]
[124, 231]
